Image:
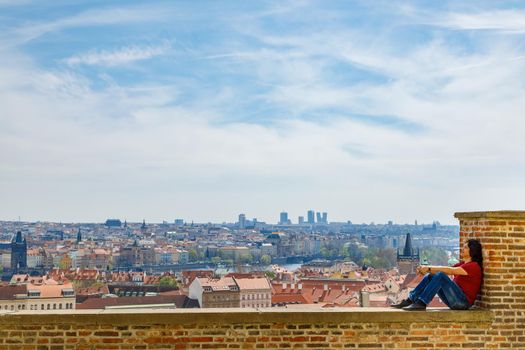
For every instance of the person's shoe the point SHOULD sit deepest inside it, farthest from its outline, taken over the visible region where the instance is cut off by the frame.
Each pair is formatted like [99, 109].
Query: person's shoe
[417, 306]
[402, 304]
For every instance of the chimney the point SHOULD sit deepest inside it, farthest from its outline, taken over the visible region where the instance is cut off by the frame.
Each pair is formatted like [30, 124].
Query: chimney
[292, 286]
[300, 286]
[325, 287]
[284, 285]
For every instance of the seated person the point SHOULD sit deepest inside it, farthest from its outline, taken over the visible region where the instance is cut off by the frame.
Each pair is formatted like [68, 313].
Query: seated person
[459, 293]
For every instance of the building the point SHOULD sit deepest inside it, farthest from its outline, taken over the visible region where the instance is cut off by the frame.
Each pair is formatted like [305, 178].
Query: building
[113, 223]
[283, 218]
[311, 217]
[300, 220]
[37, 294]
[18, 253]
[231, 292]
[254, 292]
[210, 292]
[408, 261]
[242, 221]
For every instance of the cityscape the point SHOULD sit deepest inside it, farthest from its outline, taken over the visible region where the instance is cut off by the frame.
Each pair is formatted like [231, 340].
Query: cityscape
[246, 263]
[272, 174]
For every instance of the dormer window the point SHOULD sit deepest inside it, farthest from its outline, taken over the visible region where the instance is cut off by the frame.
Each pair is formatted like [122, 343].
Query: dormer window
[33, 293]
[68, 292]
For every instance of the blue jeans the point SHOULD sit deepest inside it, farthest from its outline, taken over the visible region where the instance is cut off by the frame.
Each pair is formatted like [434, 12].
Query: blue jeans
[443, 286]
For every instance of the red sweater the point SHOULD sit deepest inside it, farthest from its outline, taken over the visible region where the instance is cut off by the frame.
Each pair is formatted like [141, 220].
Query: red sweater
[471, 283]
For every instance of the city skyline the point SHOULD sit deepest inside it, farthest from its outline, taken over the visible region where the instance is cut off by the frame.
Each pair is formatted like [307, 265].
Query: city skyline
[372, 111]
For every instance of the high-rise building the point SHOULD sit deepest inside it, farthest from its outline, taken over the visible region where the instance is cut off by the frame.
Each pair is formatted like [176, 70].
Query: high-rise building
[283, 218]
[300, 220]
[325, 218]
[242, 221]
[18, 253]
[319, 218]
[311, 217]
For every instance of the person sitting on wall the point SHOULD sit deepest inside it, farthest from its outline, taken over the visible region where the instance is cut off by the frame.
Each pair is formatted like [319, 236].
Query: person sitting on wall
[459, 293]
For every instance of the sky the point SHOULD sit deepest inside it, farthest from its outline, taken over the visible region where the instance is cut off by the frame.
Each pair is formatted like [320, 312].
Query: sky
[202, 110]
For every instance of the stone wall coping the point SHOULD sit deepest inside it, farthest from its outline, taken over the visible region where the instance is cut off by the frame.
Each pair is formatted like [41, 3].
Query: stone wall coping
[500, 214]
[247, 315]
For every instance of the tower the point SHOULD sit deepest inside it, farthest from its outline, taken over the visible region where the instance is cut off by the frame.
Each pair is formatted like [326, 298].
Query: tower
[283, 218]
[79, 236]
[18, 253]
[409, 260]
[242, 221]
[311, 217]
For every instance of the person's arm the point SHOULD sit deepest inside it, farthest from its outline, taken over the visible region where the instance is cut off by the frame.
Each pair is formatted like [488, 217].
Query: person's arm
[446, 269]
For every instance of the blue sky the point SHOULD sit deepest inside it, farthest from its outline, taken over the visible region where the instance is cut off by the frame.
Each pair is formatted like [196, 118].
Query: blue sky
[369, 110]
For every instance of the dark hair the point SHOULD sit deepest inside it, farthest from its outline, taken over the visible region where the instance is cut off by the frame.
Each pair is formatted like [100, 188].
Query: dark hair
[476, 255]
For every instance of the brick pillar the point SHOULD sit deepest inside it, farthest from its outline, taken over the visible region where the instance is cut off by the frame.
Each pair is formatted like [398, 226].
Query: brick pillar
[502, 234]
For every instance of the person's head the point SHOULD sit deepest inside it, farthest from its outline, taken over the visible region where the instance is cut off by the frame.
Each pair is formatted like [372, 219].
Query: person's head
[472, 251]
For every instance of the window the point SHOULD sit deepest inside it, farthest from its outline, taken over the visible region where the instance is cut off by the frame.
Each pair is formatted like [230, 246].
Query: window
[60, 306]
[48, 306]
[42, 307]
[54, 306]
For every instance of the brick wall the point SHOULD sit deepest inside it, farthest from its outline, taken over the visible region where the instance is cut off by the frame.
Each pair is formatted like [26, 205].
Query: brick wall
[356, 328]
[502, 234]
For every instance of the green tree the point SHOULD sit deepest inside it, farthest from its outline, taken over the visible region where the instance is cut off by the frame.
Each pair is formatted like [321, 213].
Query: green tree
[216, 259]
[168, 281]
[266, 259]
[246, 258]
[270, 274]
[192, 255]
[435, 256]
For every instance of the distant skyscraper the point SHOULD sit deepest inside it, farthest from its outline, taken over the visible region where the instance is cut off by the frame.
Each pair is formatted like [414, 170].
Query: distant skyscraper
[79, 236]
[311, 217]
[300, 220]
[283, 218]
[325, 218]
[319, 218]
[242, 221]
[18, 253]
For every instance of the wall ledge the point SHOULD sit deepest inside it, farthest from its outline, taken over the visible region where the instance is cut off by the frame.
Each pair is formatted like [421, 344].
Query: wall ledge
[245, 316]
[500, 214]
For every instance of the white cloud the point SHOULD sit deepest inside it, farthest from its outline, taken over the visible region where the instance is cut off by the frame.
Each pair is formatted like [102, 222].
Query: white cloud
[120, 56]
[512, 20]
[105, 16]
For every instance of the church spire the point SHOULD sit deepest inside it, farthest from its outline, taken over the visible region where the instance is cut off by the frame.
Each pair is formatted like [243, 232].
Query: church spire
[408, 251]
